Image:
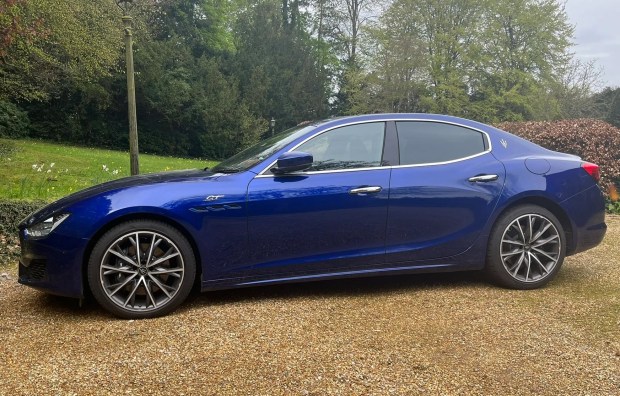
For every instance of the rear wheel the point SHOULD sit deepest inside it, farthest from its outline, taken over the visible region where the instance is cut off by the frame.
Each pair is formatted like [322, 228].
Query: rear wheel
[141, 269]
[526, 248]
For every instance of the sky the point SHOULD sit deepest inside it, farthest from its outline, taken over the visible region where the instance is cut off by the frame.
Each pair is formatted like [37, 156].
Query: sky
[597, 35]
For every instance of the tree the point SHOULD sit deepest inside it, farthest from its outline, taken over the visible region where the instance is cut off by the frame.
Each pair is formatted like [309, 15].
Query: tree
[524, 55]
[19, 35]
[203, 25]
[191, 101]
[278, 63]
[348, 21]
[608, 103]
[48, 45]
[613, 116]
[397, 62]
[574, 91]
[482, 59]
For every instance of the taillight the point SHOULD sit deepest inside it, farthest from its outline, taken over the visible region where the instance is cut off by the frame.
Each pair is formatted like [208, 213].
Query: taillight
[593, 170]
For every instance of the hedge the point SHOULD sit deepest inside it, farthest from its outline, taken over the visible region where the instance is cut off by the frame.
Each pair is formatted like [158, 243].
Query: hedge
[12, 212]
[14, 123]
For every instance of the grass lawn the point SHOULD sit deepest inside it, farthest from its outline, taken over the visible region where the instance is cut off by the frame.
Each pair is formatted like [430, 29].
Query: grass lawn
[36, 170]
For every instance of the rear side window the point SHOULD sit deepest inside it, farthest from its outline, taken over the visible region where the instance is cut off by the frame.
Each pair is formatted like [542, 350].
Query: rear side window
[349, 147]
[430, 142]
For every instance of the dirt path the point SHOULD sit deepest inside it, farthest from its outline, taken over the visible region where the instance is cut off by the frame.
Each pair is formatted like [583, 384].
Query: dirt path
[439, 334]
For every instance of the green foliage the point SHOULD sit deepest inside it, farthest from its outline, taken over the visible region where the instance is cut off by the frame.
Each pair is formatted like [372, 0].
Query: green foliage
[12, 212]
[55, 43]
[13, 121]
[525, 47]
[487, 60]
[613, 207]
[280, 67]
[193, 103]
[202, 25]
[613, 116]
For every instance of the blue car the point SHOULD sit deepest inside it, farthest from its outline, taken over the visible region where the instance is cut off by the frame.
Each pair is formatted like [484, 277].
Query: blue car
[381, 194]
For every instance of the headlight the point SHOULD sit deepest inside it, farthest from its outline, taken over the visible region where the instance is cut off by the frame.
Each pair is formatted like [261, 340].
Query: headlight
[43, 228]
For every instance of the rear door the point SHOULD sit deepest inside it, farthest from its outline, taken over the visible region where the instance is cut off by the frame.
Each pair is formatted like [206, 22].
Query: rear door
[442, 193]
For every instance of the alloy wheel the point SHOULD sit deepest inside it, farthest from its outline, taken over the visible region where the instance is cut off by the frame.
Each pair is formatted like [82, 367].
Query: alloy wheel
[142, 271]
[530, 248]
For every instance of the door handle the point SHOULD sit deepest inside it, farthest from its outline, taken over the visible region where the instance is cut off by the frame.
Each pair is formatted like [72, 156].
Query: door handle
[366, 190]
[483, 178]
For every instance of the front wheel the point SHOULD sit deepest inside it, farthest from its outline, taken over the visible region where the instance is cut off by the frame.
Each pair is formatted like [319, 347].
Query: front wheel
[526, 248]
[141, 269]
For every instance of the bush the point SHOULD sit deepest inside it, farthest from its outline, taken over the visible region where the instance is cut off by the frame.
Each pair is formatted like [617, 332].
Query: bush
[14, 122]
[12, 212]
[593, 140]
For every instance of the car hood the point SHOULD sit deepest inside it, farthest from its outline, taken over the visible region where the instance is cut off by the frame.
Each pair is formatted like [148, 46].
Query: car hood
[126, 182]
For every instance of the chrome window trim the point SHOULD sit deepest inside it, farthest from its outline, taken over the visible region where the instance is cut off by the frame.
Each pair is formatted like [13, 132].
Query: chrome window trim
[444, 162]
[263, 174]
[325, 171]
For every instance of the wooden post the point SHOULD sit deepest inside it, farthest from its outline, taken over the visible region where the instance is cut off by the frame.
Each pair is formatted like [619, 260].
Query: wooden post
[131, 98]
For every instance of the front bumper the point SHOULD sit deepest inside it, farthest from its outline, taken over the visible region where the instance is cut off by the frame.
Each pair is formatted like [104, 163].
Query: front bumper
[53, 264]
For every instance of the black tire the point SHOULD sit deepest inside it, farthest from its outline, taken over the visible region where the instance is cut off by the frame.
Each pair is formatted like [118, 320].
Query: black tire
[516, 258]
[154, 286]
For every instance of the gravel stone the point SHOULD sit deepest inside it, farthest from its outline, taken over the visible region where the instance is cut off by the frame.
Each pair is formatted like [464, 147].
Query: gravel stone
[442, 334]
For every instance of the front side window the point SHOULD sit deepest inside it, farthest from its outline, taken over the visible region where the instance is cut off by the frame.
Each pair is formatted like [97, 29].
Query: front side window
[423, 142]
[253, 155]
[349, 147]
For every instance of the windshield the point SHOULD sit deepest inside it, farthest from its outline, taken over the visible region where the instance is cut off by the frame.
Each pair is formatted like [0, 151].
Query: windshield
[253, 155]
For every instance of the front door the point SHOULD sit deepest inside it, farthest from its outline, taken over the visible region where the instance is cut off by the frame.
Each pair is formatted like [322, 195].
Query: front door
[327, 219]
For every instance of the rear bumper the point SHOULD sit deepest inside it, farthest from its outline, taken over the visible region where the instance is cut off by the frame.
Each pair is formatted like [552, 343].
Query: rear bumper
[587, 213]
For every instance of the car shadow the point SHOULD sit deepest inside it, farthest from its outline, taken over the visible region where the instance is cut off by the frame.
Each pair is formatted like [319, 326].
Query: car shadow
[51, 305]
[375, 286]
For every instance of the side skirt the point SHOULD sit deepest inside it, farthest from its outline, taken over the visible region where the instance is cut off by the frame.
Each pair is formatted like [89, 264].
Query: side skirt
[401, 270]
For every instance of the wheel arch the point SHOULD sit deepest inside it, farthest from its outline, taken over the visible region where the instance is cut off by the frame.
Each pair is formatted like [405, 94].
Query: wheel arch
[551, 206]
[138, 216]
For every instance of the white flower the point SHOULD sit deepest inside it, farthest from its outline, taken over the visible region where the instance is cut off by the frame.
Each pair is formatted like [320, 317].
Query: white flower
[48, 171]
[105, 168]
[39, 169]
[34, 166]
[115, 172]
[52, 164]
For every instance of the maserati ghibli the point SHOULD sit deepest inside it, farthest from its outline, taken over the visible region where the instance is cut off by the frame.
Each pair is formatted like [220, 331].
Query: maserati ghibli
[368, 195]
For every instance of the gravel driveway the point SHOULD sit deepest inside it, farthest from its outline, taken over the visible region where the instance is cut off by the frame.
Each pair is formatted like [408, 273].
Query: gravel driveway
[439, 334]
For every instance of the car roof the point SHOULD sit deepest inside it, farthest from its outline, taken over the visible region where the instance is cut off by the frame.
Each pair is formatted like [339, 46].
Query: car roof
[400, 116]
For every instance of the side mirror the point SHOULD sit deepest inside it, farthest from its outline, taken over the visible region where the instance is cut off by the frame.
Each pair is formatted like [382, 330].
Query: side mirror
[291, 162]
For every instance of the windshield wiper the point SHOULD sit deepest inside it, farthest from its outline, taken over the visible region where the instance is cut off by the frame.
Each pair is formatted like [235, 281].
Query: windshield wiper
[225, 170]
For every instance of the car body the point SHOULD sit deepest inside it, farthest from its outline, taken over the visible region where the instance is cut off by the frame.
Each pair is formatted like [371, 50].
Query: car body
[383, 194]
